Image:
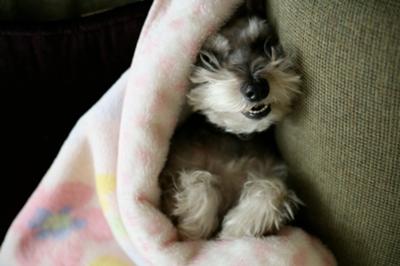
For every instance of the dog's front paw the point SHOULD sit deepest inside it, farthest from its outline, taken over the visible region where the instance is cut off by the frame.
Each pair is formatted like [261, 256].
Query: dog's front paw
[264, 206]
[197, 204]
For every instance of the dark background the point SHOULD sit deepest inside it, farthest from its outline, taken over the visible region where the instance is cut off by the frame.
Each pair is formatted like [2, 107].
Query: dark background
[51, 73]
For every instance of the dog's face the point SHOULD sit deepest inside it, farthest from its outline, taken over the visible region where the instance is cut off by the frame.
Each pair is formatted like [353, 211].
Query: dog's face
[241, 82]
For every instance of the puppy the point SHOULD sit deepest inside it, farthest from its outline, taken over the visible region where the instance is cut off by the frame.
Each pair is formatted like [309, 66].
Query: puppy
[223, 177]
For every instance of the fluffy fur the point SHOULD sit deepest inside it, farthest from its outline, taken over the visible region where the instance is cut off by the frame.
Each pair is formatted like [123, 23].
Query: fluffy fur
[224, 65]
[214, 182]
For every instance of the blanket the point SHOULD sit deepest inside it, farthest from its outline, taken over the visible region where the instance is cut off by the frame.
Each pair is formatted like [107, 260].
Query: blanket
[98, 202]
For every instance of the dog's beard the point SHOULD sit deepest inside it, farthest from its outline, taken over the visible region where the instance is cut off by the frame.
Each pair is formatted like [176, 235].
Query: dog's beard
[217, 95]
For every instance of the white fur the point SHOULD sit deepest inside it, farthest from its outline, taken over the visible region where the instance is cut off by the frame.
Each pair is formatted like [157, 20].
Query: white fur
[264, 205]
[198, 200]
[254, 28]
[218, 96]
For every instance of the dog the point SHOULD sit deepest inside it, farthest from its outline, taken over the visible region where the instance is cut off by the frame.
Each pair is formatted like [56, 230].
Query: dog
[223, 177]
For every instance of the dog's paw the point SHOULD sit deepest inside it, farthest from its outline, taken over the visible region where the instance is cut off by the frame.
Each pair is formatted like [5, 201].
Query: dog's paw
[264, 206]
[197, 205]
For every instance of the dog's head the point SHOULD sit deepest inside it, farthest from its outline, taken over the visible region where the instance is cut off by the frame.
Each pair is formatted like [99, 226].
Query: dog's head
[241, 80]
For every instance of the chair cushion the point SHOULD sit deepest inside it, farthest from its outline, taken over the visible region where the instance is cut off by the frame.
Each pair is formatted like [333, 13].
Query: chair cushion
[342, 140]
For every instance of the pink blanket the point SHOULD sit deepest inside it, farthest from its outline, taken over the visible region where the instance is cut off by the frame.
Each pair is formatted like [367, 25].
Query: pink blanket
[97, 205]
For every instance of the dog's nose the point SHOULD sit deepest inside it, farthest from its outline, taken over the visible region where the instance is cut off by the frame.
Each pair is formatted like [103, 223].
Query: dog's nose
[255, 91]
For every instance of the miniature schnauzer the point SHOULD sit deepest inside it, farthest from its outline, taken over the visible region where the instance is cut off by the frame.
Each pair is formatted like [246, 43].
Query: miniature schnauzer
[223, 177]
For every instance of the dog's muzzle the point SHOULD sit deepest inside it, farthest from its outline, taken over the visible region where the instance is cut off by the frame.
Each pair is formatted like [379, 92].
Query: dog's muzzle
[255, 92]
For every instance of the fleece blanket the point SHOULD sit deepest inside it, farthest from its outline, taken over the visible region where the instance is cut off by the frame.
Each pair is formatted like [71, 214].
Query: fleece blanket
[98, 203]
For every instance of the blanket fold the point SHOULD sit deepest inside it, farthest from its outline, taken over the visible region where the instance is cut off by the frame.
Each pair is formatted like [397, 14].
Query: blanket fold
[98, 203]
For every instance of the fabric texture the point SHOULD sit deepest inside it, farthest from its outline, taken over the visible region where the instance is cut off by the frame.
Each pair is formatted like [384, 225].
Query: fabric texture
[98, 202]
[342, 142]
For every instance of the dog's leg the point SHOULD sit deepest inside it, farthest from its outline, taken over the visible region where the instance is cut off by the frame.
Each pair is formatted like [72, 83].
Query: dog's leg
[198, 200]
[264, 205]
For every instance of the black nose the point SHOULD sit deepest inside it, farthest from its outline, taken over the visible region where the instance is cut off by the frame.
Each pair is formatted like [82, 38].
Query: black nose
[255, 91]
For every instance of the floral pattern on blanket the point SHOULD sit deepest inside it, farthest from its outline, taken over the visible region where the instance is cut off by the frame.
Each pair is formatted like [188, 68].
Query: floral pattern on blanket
[57, 220]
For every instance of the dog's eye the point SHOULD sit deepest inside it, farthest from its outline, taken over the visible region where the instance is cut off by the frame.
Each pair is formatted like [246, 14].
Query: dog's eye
[272, 48]
[268, 44]
[258, 68]
[209, 60]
